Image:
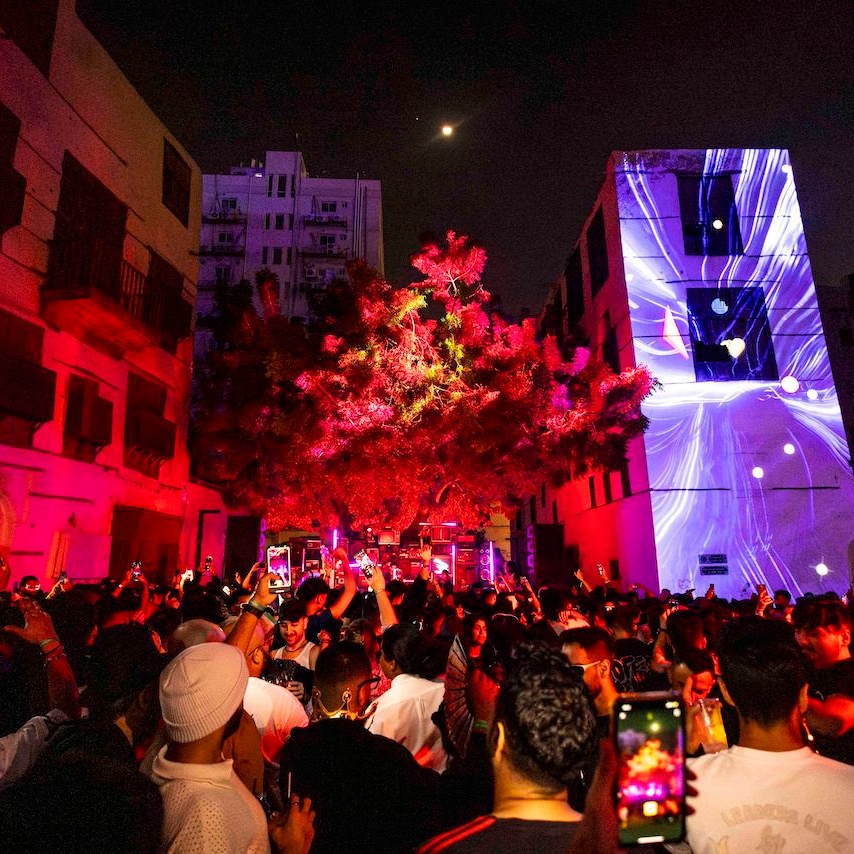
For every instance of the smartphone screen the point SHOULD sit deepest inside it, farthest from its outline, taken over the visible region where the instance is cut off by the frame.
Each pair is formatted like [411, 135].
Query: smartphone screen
[365, 563]
[650, 736]
[279, 561]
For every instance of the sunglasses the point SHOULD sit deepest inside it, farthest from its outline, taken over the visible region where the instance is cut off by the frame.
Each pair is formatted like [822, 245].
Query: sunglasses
[579, 669]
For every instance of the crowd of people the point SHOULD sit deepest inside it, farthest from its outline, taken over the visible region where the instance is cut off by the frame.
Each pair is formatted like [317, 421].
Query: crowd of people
[223, 716]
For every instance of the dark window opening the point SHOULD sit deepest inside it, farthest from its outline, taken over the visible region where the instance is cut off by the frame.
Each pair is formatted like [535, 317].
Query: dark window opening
[290, 222]
[149, 437]
[277, 254]
[554, 512]
[709, 216]
[27, 390]
[532, 509]
[88, 421]
[282, 186]
[591, 485]
[543, 494]
[597, 252]
[265, 255]
[730, 334]
[606, 486]
[574, 289]
[614, 565]
[176, 183]
[270, 187]
[280, 222]
[13, 185]
[289, 255]
[625, 480]
[31, 26]
[610, 348]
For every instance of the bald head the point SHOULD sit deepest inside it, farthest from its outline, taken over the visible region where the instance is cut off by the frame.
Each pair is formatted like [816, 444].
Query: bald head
[194, 632]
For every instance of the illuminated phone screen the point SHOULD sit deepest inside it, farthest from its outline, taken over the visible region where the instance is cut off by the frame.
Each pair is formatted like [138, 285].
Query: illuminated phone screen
[279, 561]
[650, 735]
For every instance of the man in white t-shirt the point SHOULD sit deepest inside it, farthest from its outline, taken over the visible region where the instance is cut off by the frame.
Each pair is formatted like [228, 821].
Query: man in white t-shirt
[769, 793]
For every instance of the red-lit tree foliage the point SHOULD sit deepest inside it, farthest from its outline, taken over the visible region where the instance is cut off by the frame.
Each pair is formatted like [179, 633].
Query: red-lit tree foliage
[379, 415]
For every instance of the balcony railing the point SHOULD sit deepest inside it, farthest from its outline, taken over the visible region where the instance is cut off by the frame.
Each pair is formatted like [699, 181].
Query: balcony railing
[225, 217]
[27, 390]
[325, 220]
[221, 249]
[325, 252]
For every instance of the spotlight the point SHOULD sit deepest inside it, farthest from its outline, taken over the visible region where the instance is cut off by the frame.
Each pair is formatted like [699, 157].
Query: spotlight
[812, 394]
[717, 224]
[789, 384]
[789, 448]
[758, 472]
[821, 569]
[447, 130]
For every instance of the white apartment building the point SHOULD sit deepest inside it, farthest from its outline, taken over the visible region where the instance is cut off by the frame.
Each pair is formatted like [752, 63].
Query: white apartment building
[274, 215]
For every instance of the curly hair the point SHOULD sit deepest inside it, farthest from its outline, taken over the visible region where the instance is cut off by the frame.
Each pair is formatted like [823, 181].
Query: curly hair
[549, 726]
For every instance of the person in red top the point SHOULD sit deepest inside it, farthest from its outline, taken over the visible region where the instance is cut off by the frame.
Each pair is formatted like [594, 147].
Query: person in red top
[543, 733]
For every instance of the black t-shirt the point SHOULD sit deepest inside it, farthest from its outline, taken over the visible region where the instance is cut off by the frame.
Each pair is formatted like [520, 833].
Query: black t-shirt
[631, 664]
[838, 679]
[490, 835]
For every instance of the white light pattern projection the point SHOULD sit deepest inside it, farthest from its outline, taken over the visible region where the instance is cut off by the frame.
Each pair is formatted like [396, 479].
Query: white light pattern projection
[709, 440]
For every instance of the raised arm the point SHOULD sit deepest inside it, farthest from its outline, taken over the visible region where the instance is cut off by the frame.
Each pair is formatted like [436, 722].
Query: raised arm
[388, 617]
[340, 605]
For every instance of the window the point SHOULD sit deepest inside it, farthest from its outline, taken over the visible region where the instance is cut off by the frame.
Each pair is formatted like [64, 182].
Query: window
[149, 437]
[176, 183]
[289, 256]
[327, 240]
[328, 207]
[13, 185]
[282, 186]
[554, 512]
[574, 288]
[270, 187]
[31, 26]
[597, 252]
[89, 234]
[730, 334]
[277, 254]
[606, 486]
[265, 254]
[280, 222]
[225, 238]
[290, 222]
[166, 310]
[266, 222]
[610, 349]
[591, 486]
[709, 217]
[625, 480]
[228, 205]
[532, 509]
[223, 275]
[88, 421]
[543, 494]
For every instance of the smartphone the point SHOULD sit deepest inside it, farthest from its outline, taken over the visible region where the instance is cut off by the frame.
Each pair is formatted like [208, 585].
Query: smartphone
[649, 730]
[279, 561]
[365, 562]
[63, 577]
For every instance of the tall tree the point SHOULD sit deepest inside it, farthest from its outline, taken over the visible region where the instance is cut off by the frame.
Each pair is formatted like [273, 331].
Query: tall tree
[380, 415]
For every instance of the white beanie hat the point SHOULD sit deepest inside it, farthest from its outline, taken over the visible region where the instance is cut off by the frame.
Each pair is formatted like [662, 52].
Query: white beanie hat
[201, 689]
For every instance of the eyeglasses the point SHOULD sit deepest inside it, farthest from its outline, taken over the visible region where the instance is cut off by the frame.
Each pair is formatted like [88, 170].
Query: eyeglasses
[579, 669]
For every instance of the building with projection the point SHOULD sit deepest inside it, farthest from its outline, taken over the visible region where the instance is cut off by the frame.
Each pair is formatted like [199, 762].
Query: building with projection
[274, 215]
[99, 223]
[694, 263]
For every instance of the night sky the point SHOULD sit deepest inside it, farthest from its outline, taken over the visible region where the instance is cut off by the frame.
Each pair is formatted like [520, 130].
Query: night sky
[540, 92]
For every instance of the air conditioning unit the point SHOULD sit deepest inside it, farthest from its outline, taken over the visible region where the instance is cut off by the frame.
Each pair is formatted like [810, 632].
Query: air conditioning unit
[214, 214]
[310, 273]
[337, 218]
[319, 218]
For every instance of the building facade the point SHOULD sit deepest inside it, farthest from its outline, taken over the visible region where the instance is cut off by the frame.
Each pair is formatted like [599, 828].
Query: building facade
[99, 222]
[694, 263]
[274, 215]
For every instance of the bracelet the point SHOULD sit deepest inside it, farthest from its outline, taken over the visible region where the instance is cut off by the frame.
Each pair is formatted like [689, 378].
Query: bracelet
[53, 655]
[480, 726]
[47, 641]
[254, 608]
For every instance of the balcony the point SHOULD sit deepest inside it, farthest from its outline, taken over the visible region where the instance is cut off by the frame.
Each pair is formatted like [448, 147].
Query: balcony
[222, 249]
[325, 252]
[27, 390]
[325, 220]
[224, 217]
[149, 435]
[110, 304]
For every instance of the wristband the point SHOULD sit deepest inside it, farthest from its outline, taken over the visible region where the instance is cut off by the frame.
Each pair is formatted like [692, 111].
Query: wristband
[480, 726]
[47, 641]
[254, 608]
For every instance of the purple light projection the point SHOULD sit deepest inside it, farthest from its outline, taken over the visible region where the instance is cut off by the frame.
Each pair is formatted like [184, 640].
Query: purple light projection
[747, 459]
